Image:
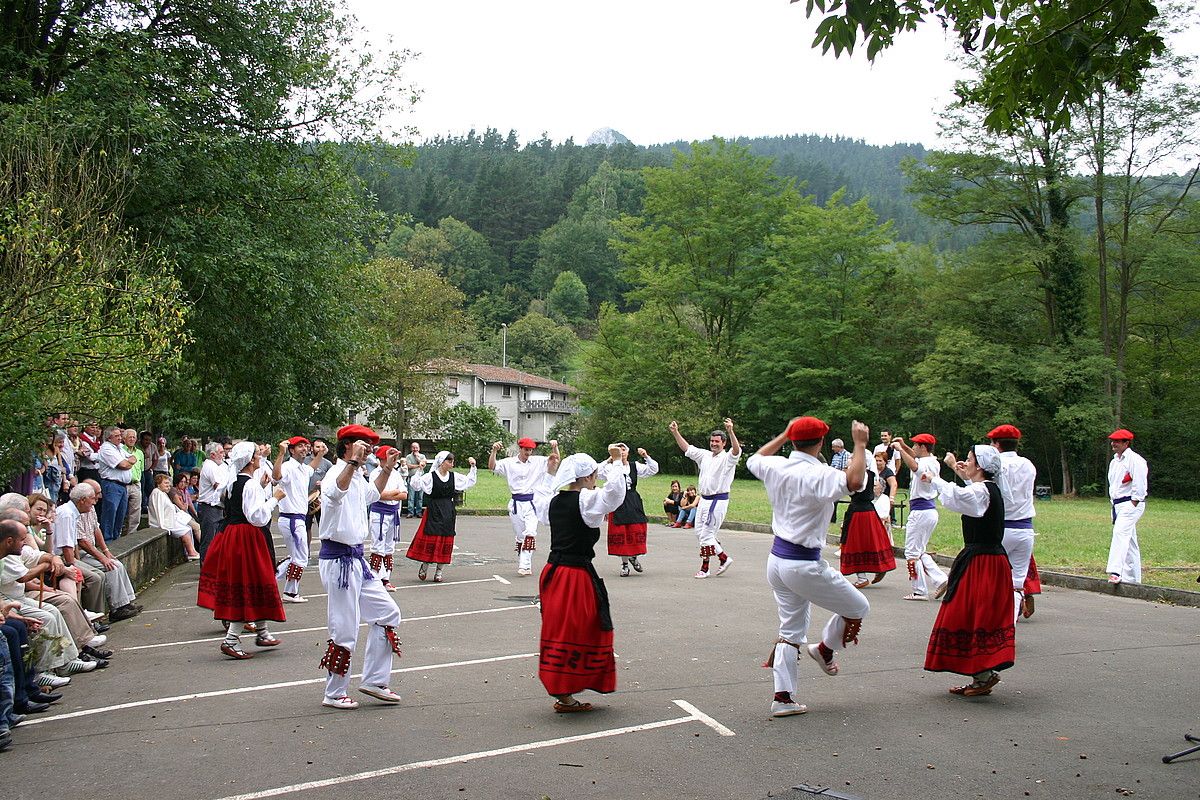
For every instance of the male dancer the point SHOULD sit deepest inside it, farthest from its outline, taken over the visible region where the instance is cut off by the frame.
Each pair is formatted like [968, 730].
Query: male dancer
[524, 473]
[926, 576]
[385, 518]
[1016, 487]
[292, 476]
[802, 492]
[717, 466]
[355, 595]
[1128, 476]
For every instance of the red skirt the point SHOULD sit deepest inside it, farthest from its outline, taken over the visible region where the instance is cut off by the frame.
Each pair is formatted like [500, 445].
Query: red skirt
[575, 654]
[430, 549]
[974, 631]
[1033, 581]
[626, 540]
[238, 579]
[867, 548]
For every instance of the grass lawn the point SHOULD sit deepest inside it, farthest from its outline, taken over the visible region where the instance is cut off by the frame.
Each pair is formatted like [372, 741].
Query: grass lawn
[1072, 535]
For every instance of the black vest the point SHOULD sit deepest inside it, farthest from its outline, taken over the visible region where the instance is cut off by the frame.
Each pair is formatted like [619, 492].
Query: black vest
[572, 542]
[631, 511]
[233, 504]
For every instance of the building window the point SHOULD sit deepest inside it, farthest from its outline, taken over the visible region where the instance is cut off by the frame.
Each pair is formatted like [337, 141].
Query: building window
[353, 418]
[452, 385]
[507, 392]
[529, 416]
[524, 394]
[507, 423]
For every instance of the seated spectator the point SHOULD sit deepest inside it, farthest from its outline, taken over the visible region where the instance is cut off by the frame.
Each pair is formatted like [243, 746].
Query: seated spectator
[186, 458]
[194, 487]
[89, 551]
[172, 519]
[671, 503]
[29, 695]
[181, 495]
[687, 509]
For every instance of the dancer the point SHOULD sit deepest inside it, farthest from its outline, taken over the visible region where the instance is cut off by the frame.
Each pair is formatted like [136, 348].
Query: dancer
[1018, 477]
[866, 546]
[1033, 587]
[355, 595]
[802, 492]
[524, 473]
[433, 543]
[292, 476]
[237, 578]
[926, 576]
[385, 517]
[576, 651]
[975, 631]
[1128, 476]
[717, 466]
[627, 525]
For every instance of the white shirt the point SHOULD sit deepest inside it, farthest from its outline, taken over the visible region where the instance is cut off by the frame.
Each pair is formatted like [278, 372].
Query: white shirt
[66, 528]
[88, 526]
[165, 514]
[802, 492]
[893, 463]
[344, 512]
[1017, 487]
[107, 459]
[609, 469]
[523, 477]
[1128, 476]
[87, 456]
[924, 490]
[716, 471]
[395, 482]
[69, 454]
[257, 504]
[424, 483]
[12, 568]
[971, 500]
[594, 504]
[294, 478]
[213, 480]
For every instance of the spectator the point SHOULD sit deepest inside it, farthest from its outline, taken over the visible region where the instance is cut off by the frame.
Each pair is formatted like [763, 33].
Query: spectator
[671, 503]
[80, 583]
[71, 446]
[181, 497]
[193, 490]
[133, 512]
[885, 490]
[687, 509]
[90, 440]
[841, 457]
[38, 475]
[169, 517]
[186, 458]
[414, 463]
[162, 463]
[320, 465]
[115, 476]
[211, 498]
[76, 549]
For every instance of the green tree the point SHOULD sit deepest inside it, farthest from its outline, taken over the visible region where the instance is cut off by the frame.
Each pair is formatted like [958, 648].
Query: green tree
[568, 300]
[468, 430]
[540, 345]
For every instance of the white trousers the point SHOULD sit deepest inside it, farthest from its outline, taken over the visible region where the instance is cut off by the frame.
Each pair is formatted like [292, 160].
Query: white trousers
[384, 531]
[524, 523]
[710, 515]
[917, 534]
[1018, 543]
[295, 533]
[1124, 557]
[798, 585]
[361, 601]
[117, 586]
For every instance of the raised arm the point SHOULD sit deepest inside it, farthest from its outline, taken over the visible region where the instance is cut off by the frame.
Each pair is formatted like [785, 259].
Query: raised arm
[735, 449]
[679, 440]
[277, 472]
[495, 449]
[385, 472]
[856, 470]
[906, 453]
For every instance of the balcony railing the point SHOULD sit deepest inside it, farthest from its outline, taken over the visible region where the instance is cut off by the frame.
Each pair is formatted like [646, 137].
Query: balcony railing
[552, 406]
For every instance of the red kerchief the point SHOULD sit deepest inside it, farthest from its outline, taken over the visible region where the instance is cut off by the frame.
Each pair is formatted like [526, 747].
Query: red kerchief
[358, 432]
[1004, 432]
[1121, 435]
[526, 442]
[803, 429]
[926, 439]
[295, 440]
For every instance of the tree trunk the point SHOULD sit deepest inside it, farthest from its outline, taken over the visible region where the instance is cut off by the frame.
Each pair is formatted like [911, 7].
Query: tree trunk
[1068, 483]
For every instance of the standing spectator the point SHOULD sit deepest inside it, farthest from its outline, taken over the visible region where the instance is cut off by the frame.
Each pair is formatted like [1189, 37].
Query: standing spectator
[89, 446]
[841, 457]
[885, 490]
[1128, 478]
[210, 502]
[320, 465]
[186, 458]
[162, 464]
[115, 476]
[149, 450]
[57, 476]
[414, 462]
[133, 511]
[71, 447]
[890, 451]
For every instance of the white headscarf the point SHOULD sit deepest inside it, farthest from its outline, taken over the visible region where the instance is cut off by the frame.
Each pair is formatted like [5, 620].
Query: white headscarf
[572, 468]
[440, 457]
[988, 459]
[242, 454]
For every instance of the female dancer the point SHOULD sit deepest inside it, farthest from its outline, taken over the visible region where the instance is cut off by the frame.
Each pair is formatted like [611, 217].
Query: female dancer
[433, 543]
[627, 525]
[865, 544]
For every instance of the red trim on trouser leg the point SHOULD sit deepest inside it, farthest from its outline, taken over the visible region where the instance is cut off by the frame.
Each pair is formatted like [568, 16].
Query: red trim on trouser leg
[336, 659]
[708, 550]
[912, 569]
[853, 626]
[390, 632]
[376, 561]
[294, 571]
[530, 543]
[387, 562]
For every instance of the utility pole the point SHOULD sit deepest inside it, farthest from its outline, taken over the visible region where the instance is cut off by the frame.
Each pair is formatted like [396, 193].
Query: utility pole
[504, 344]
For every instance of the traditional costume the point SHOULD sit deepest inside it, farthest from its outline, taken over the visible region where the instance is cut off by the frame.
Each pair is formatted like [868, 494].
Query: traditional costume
[523, 479]
[237, 579]
[975, 631]
[576, 650]
[385, 521]
[355, 594]
[1128, 476]
[627, 525]
[292, 523]
[926, 576]
[433, 543]
[714, 482]
[866, 547]
[1019, 475]
[1033, 586]
[802, 492]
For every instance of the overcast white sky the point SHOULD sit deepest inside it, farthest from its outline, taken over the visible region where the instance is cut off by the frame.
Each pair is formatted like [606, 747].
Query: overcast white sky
[656, 70]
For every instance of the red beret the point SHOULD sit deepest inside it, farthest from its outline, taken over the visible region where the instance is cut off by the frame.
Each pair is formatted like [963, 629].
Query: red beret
[295, 440]
[1005, 432]
[526, 442]
[383, 452]
[358, 432]
[1121, 435]
[803, 429]
[924, 438]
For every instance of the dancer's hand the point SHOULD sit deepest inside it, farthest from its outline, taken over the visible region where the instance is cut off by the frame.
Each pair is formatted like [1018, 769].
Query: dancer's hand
[860, 433]
[496, 447]
[471, 461]
[951, 461]
[642, 452]
[279, 493]
[729, 424]
[673, 427]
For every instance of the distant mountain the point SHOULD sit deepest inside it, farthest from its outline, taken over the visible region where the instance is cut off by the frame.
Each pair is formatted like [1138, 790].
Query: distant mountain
[607, 136]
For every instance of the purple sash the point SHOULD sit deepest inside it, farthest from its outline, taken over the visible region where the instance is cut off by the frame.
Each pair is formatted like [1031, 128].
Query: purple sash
[519, 498]
[345, 554]
[1019, 524]
[292, 520]
[921, 504]
[715, 498]
[385, 510]
[782, 548]
[1118, 502]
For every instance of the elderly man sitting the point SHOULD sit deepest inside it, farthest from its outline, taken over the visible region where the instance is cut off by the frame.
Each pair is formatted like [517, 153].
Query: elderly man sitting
[76, 549]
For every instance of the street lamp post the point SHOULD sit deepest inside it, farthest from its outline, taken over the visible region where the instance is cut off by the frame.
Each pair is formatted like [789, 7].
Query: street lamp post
[504, 344]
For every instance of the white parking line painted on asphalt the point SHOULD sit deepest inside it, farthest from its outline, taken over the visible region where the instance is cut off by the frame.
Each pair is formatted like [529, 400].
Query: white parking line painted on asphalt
[244, 689]
[323, 627]
[492, 579]
[700, 716]
[463, 759]
[502, 580]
